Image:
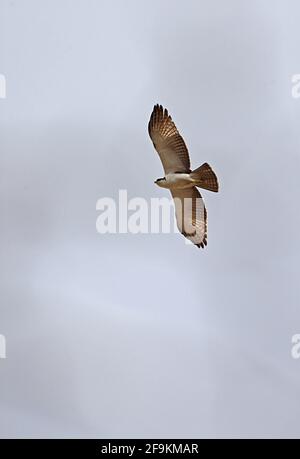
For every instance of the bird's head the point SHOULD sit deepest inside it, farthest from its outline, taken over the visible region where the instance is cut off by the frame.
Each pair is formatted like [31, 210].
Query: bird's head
[160, 182]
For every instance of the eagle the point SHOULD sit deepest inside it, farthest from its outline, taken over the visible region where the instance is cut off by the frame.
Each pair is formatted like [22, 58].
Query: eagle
[183, 183]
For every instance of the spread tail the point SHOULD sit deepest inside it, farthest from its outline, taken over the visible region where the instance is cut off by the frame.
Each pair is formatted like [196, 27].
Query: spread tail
[204, 177]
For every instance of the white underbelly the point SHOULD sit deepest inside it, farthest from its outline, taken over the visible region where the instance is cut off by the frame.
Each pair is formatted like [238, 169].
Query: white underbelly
[179, 180]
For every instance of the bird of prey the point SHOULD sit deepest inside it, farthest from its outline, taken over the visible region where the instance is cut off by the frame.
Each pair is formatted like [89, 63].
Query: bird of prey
[190, 210]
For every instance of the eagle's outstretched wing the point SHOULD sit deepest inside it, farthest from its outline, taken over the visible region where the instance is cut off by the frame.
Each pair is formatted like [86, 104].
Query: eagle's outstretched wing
[191, 215]
[168, 142]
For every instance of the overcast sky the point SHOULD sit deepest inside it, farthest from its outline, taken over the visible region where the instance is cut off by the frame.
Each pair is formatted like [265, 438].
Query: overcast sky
[142, 335]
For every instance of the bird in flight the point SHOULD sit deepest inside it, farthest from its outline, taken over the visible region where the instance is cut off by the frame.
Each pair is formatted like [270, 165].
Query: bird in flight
[190, 210]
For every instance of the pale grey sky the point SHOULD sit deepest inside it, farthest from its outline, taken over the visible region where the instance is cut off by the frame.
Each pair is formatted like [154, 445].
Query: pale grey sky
[142, 335]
